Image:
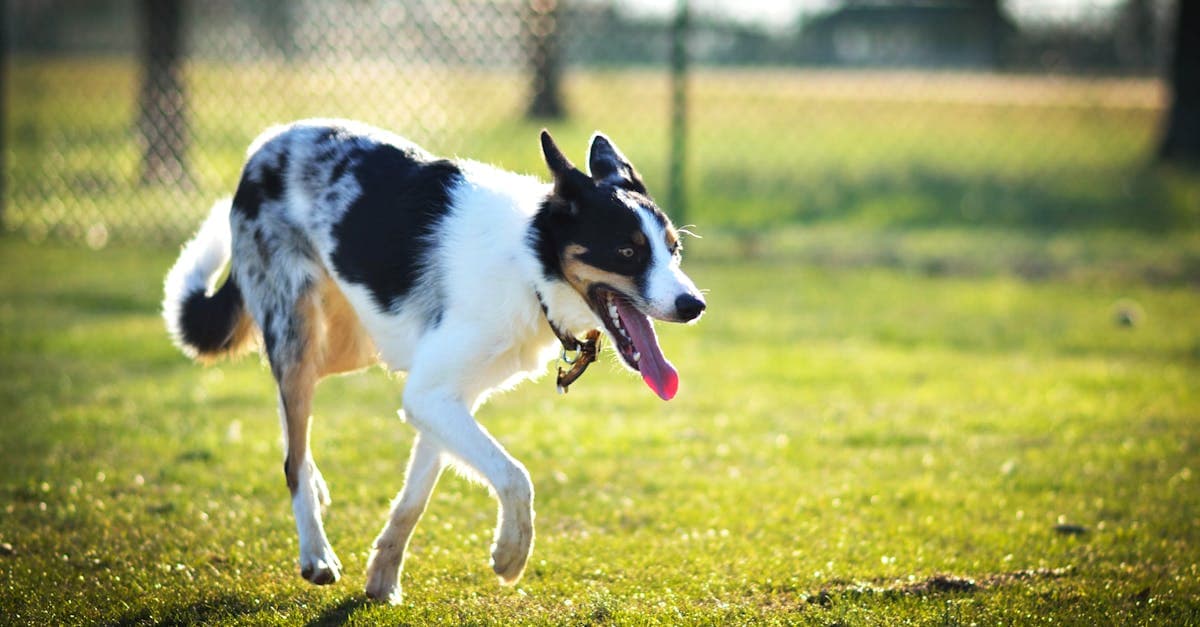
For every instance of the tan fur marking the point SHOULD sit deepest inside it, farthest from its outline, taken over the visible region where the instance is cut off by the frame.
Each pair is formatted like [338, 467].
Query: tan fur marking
[639, 238]
[672, 237]
[334, 342]
[582, 275]
[346, 345]
[297, 380]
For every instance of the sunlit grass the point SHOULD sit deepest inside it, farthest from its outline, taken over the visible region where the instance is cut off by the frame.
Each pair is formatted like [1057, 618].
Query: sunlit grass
[838, 430]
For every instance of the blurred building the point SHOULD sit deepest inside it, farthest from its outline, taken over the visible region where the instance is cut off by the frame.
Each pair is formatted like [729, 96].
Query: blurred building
[969, 35]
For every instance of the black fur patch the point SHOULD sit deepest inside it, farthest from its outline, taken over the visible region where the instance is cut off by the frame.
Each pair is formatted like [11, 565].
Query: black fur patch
[267, 324]
[272, 178]
[549, 227]
[292, 484]
[601, 223]
[382, 240]
[249, 196]
[208, 323]
[339, 169]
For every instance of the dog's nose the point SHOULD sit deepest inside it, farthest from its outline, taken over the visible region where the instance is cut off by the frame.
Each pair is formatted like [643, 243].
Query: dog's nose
[688, 307]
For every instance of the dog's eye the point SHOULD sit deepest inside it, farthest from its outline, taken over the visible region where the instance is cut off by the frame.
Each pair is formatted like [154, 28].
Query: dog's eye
[625, 251]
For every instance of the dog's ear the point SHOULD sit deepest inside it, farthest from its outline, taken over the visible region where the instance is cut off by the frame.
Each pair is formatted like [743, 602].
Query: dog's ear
[568, 179]
[608, 165]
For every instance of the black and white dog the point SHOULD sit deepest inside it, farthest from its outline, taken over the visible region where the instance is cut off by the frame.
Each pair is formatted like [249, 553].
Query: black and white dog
[348, 245]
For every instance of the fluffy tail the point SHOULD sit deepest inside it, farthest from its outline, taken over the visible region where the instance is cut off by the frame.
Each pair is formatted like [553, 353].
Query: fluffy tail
[206, 325]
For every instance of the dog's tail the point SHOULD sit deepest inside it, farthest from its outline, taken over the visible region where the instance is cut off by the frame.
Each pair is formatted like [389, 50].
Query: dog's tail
[203, 323]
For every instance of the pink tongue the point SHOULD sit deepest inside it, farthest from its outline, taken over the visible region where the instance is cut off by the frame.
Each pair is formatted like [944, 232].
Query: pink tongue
[657, 372]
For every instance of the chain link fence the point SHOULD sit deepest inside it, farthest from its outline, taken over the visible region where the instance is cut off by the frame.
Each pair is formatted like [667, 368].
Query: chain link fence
[126, 120]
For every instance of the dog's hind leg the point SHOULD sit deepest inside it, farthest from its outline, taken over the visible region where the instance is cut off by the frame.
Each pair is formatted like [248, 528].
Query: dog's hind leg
[294, 348]
[387, 555]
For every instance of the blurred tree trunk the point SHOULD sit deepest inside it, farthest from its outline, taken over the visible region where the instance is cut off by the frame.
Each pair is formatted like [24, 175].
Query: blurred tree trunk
[1181, 137]
[1135, 36]
[278, 19]
[162, 103]
[990, 9]
[545, 61]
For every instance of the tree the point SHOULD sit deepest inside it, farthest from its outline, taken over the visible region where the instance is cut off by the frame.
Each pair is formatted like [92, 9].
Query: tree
[545, 62]
[993, 17]
[1181, 136]
[1135, 36]
[162, 103]
[277, 18]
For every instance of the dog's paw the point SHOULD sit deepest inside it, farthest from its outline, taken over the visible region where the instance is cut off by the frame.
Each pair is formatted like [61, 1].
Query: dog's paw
[383, 577]
[323, 569]
[384, 595]
[509, 564]
[511, 552]
[383, 591]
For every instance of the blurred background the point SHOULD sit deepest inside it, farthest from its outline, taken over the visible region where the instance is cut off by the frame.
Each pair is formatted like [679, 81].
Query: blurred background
[758, 121]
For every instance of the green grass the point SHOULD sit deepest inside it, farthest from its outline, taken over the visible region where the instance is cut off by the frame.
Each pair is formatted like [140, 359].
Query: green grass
[911, 373]
[843, 436]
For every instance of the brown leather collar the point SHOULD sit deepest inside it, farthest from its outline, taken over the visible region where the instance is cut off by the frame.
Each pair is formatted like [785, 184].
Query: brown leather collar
[585, 350]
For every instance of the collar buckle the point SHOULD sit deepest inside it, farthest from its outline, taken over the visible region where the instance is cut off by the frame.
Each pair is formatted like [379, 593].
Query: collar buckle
[585, 353]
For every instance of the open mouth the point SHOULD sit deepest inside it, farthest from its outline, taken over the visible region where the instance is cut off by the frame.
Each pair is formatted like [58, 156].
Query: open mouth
[633, 335]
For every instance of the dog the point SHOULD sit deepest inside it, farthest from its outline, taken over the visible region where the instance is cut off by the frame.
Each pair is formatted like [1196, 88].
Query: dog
[347, 246]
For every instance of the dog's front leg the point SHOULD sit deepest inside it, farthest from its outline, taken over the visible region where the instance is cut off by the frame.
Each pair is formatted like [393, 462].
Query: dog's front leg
[387, 554]
[439, 412]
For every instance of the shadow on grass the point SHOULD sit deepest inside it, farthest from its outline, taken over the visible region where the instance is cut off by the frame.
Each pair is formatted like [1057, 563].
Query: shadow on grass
[112, 304]
[1141, 198]
[206, 611]
[338, 614]
[231, 608]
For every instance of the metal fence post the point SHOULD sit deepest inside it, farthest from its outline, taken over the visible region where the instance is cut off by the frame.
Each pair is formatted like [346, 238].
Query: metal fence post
[162, 121]
[3, 102]
[544, 54]
[676, 197]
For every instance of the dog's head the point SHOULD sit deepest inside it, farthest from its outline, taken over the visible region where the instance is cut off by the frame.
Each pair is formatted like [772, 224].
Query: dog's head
[607, 239]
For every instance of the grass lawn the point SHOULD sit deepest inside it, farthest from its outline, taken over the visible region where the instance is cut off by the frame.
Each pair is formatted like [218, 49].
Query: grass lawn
[851, 444]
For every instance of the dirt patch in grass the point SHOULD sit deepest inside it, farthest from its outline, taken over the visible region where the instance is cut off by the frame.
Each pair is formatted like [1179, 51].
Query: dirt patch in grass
[935, 584]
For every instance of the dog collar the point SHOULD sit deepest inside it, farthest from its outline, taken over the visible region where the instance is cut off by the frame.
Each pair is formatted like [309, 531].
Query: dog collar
[577, 354]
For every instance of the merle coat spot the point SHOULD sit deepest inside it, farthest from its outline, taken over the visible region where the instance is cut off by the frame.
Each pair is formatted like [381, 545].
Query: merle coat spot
[268, 333]
[339, 168]
[383, 239]
[260, 242]
[249, 197]
[272, 178]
